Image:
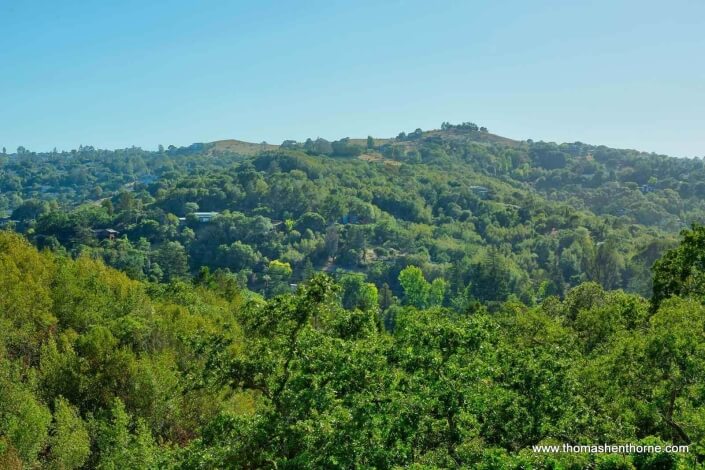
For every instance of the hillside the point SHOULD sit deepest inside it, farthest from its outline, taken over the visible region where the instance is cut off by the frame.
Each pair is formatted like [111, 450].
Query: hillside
[459, 202]
[101, 371]
[240, 147]
[441, 299]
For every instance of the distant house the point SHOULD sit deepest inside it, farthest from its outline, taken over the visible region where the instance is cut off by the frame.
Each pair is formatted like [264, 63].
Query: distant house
[205, 217]
[7, 221]
[147, 179]
[647, 188]
[106, 233]
[349, 219]
[481, 191]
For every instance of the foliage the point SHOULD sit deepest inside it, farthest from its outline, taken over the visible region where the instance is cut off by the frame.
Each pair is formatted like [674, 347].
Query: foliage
[522, 269]
[681, 271]
[459, 203]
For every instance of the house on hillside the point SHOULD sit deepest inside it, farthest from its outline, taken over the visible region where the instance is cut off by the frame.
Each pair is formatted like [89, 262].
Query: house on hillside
[147, 179]
[7, 221]
[205, 217]
[349, 219]
[480, 191]
[106, 233]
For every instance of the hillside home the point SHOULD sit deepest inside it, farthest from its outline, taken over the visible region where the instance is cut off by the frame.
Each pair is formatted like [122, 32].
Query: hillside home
[106, 233]
[481, 191]
[205, 217]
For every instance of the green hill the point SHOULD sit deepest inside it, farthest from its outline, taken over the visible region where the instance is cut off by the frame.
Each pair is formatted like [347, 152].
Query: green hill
[441, 299]
[447, 200]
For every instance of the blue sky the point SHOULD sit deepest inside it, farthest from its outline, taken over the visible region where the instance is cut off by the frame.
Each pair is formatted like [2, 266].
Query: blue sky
[113, 74]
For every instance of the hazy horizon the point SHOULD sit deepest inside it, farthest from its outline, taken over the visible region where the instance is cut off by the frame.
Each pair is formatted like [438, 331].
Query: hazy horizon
[329, 138]
[622, 74]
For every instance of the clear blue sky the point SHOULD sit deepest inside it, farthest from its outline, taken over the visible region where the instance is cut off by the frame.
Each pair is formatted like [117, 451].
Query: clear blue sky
[114, 74]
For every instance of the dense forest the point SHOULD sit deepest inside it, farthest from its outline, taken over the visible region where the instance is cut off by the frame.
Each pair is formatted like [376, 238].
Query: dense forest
[442, 299]
[491, 216]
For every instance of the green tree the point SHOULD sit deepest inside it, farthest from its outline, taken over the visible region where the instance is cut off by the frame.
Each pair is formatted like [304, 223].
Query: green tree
[69, 441]
[190, 208]
[279, 273]
[675, 364]
[307, 359]
[681, 270]
[416, 288]
[173, 260]
[437, 292]
[24, 420]
[386, 297]
[356, 293]
[118, 447]
[490, 278]
[606, 265]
